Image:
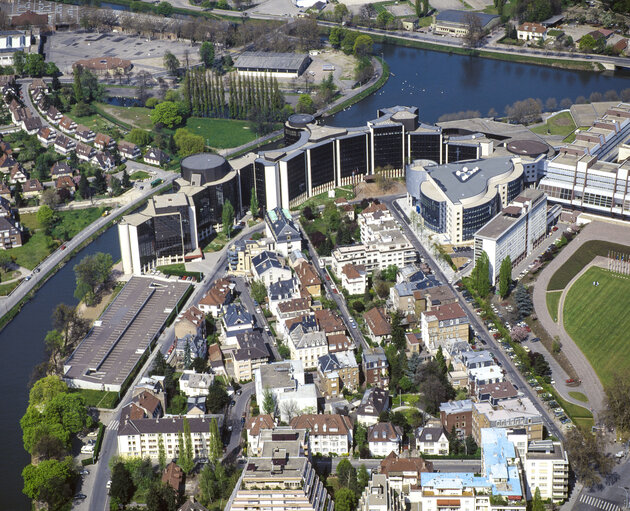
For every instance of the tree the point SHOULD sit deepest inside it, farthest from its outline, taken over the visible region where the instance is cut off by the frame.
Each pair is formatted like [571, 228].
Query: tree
[125, 181]
[139, 137]
[253, 204]
[186, 456]
[441, 361]
[50, 481]
[217, 398]
[481, 275]
[227, 218]
[46, 217]
[187, 143]
[587, 455]
[345, 499]
[617, 404]
[384, 18]
[161, 497]
[347, 475]
[171, 62]
[364, 70]
[206, 53]
[305, 104]
[100, 181]
[215, 445]
[164, 9]
[92, 272]
[505, 276]
[122, 488]
[259, 291]
[363, 478]
[340, 12]
[78, 89]
[474, 29]
[84, 186]
[116, 186]
[45, 389]
[269, 402]
[398, 332]
[159, 364]
[523, 300]
[166, 113]
[537, 503]
[362, 46]
[161, 453]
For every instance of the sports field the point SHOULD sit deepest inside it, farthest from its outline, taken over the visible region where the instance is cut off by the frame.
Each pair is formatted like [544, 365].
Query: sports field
[597, 319]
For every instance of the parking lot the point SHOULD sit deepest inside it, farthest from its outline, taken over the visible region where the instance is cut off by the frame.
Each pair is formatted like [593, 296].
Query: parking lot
[65, 48]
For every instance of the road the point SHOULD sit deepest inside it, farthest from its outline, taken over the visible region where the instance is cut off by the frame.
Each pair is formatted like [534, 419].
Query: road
[511, 372]
[440, 465]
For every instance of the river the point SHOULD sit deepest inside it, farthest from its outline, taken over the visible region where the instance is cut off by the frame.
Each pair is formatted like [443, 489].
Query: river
[435, 82]
[22, 350]
[439, 83]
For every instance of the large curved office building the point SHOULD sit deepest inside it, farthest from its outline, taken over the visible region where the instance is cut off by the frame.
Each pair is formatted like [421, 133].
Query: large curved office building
[458, 199]
[316, 158]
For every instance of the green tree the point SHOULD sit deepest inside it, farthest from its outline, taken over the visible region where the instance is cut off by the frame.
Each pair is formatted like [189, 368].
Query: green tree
[347, 475]
[481, 275]
[398, 332]
[186, 458]
[161, 497]
[384, 18]
[46, 217]
[125, 181]
[253, 204]
[537, 502]
[139, 137]
[159, 364]
[215, 445]
[116, 186]
[84, 186]
[164, 9]
[45, 389]
[336, 36]
[187, 143]
[362, 45]
[122, 488]
[76, 86]
[269, 402]
[259, 291]
[305, 104]
[206, 53]
[171, 62]
[166, 113]
[100, 181]
[439, 357]
[92, 272]
[227, 218]
[345, 500]
[363, 478]
[505, 276]
[340, 12]
[161, 453]
[50, 481]
[217, 398]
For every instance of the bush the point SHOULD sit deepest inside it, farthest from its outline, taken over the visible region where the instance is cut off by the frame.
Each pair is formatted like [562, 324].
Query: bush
[151, 102]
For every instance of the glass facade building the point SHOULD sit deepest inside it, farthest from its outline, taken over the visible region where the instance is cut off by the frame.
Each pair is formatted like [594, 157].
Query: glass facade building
[353, 155]
[426, 146]
[388, 146]
[322, 160]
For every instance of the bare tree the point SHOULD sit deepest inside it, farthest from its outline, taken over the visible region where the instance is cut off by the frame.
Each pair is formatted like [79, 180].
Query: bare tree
[474, 29]
[551, 105]
[566, 103]
[289, 409]
[595, 97]
[611, 95]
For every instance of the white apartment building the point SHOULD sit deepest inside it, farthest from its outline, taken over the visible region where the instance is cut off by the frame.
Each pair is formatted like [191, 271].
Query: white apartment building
[194, 384]
[514, 232]
[547, 468]
[327, 433]
[393, 249]
[307, 347]
[138, 438]
[384, 438]
[354, 279]
[380, 496]
[12, 41]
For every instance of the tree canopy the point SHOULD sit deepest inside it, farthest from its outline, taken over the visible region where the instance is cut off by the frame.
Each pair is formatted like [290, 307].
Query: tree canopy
[93, 271]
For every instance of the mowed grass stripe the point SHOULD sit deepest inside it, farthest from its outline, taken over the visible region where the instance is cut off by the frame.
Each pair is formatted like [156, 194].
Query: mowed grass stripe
[553, 299]
[597, 319]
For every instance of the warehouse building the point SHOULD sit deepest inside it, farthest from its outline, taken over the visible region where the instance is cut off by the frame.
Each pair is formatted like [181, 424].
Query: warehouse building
[278, 65]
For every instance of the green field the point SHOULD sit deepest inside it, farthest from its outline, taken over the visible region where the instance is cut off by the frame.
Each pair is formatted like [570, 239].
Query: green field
[585, 254]
[97, 398]
[95, 122]
[559, 124]
[579, 396]
[321, 199]
[137, 116]
[553, 298]
[596, 319]
[221, 133]
[139, 174]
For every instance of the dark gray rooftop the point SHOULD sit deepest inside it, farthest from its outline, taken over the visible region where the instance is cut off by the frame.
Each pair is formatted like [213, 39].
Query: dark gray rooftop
[202, 161]
[269, 60]
[454, 16]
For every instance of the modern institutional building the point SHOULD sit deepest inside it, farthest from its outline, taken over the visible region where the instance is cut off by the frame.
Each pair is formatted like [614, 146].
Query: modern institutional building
[456, 23]
[592, 173]
[457, 199]
[514, 232]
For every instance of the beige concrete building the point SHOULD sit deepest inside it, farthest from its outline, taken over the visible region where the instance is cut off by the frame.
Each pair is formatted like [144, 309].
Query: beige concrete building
[442, 324]
[338, 371]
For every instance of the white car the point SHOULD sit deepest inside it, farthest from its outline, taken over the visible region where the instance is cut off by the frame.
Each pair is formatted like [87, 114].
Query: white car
[87, 449]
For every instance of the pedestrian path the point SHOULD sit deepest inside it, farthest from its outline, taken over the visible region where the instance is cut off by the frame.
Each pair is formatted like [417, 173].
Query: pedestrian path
[113, 424]
[596, 502]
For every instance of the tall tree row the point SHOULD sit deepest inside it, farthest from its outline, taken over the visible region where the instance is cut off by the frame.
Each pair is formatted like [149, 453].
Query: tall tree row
[248, 97]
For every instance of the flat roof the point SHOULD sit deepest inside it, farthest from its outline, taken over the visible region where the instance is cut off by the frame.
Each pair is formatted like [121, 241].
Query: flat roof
[455, 16]
[122, 334]
[203, 161]
[269, 60]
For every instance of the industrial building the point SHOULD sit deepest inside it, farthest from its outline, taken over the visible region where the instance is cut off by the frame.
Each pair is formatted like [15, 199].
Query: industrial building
[279, 65]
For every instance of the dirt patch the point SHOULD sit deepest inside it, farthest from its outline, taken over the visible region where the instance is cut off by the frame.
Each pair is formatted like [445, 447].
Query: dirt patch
[372, 190]
[399, 10]
[563, 121]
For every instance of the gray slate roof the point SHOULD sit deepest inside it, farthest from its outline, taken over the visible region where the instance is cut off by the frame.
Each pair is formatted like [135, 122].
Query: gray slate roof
[269, 60]
[454, 16]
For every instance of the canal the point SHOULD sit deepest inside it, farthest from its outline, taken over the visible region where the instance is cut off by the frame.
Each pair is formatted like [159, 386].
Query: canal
[22, 349]
[435, 82]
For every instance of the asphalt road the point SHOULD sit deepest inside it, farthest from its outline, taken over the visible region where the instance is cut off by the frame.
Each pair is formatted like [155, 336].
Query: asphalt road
[511, 373]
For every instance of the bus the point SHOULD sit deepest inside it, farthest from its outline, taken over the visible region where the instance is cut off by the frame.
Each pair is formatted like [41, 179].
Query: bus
[156, 182]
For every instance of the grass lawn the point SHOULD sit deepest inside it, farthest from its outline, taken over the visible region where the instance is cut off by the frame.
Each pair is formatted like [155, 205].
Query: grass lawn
[553, 298]
[5, 289]
[579, 396]
[580, 259]
[216, 243]
[602, 337]
[581, 416]
[95, 122]
[137, 116]
[410, 399]
[322, 198]
[98, 398]
[40, 245]
[221, 133]
[179, 267]
[139, 175]
[571, 136]
[559, 124]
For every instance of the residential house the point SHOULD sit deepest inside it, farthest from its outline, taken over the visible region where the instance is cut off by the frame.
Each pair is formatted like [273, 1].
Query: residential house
[484, 376]
[280, 226]
[173, 476]
[38, 85]
[65, 183]
[235, 319]
[336, 372]
[104, 142]
[241, 252]
[10, 234]
[414, 342]
[194, 384]
[250, 353]
[155, 156]
[286, 382]
[354, 279]
[296, 258]
[375, 368]
[64, 144]
[384, 438]
[215, 359]
[6, 162]
[67, 125]
[375, 401]
[309, 279]
[380, 496]
[496, 392]
[434, 296]
[154, 385]
[442, 324]
[84, 134]
[305, 322]
[53, 115]
[103, 160]
[192, 321]
[31, 125]
[84, 152]
[128, 150]
[292, 308]
[218, 296]
[196, 406]
[12, 41]
[138, 438]
[188, 348]
[192, 505]
[509, 413]
[254, 426]
[458, 415]
[379, 329]
[307, 346]
[404, 472]
[330, 322]
[5, 191]
[32, 188]
[530, 31]
[339, 343]
[281, 291]
[17, 174]
[328, 434]
[267, 267]
[144, 405]
[46, 136]
[432, 440]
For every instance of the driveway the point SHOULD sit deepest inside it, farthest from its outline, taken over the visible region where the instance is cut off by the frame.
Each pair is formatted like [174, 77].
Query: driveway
[591, 386]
